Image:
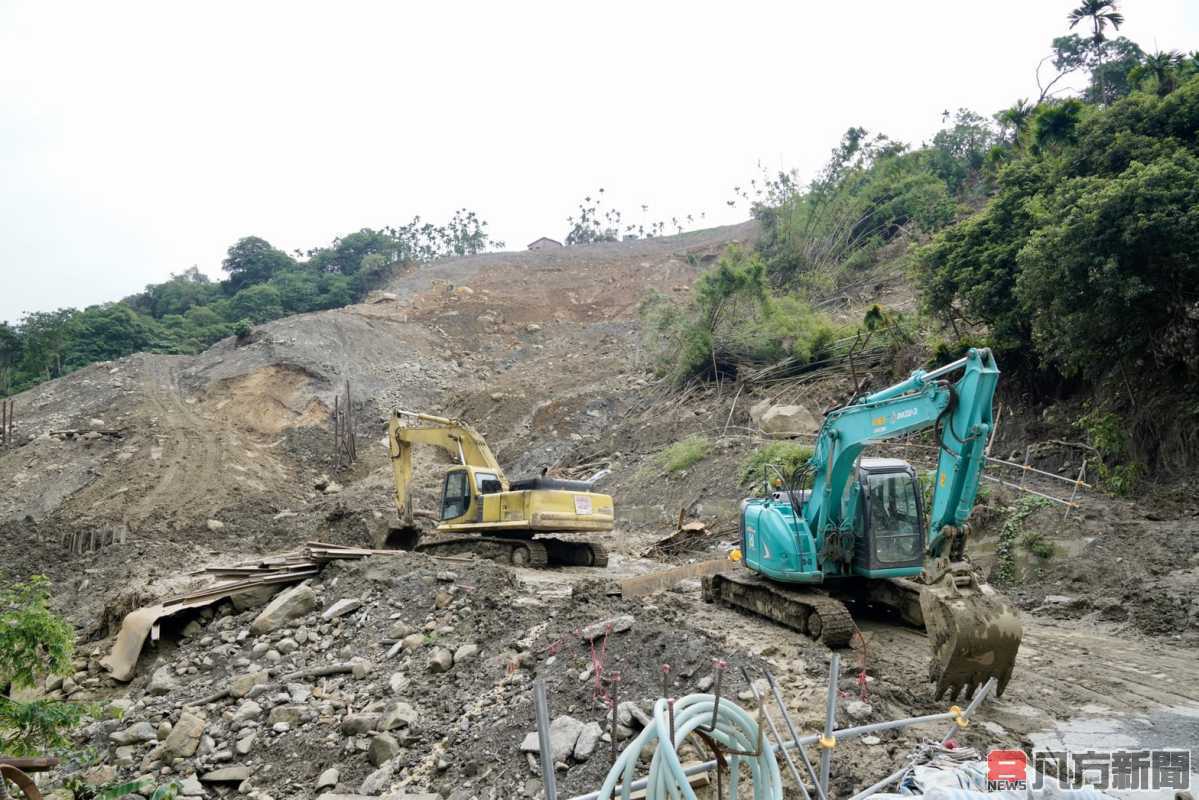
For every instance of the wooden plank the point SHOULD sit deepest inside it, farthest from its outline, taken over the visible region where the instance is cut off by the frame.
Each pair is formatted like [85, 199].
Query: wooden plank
[658, 581]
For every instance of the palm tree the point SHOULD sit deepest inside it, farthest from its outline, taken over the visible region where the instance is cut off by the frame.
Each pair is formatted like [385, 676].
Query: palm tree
[1100, 12]
[1162, 66]
[1016, 118]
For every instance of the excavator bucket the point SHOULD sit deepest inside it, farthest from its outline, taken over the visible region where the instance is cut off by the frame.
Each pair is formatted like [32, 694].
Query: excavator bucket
[973, 630]
[397, 537]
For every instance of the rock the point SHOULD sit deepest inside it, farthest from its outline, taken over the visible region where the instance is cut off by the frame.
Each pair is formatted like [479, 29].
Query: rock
[341, 608]
[377, 781]
[465, 653]
[358, 724]
[255, 597]
[235, 774]
[532, 327]
[871, 740]
[292, 715]
[588, 739]
[442, 600]
[615, 625]
[299, 692]
[1058, 600]
[134, 734]
[396, 715]
[190, 787]
[215, 525]
[564, 733]
[858, 710]
[243, 684]
[321, 483]
[630, 715]
[361, 668]
[288, 605]
[384, 748]
[398, 682]
[245, 744]
[185, 736]
[287, 645]
[413, 641]
[162, 681]
[333, 488]
[328, 779]
[704, 683]
[781, 422]
[399, 630]
[192, 629]
[246, 711]
[440, 660]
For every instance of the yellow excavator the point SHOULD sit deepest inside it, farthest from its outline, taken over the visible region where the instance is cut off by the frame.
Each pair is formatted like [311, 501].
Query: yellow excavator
[485, 514]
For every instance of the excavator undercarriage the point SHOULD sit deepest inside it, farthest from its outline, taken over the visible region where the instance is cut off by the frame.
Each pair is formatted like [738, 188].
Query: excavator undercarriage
[519, 551]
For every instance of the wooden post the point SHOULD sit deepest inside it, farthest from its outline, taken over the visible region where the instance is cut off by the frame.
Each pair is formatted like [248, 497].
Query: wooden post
[336, 430]
[1024, 471]
[1081, 472]
[4, 421]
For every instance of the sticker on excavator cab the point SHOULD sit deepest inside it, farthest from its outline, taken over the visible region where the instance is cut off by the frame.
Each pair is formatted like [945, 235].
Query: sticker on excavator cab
[582, 504]
[879, 421]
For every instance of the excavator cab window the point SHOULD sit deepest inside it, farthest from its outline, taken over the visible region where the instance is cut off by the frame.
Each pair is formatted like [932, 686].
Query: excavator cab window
[894, 518]
[455, 499]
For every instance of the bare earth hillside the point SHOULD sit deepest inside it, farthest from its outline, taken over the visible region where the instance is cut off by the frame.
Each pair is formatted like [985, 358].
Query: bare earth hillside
[133, 474]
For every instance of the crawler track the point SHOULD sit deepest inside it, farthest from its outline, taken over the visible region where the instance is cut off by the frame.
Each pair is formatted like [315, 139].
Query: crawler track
[810, 612]
[539, 552]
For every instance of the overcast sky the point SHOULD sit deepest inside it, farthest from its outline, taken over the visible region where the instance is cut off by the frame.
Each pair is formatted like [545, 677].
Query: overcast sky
[138, 139]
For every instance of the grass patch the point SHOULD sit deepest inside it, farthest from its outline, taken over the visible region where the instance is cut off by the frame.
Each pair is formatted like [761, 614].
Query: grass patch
[1036, 543]
[787, 455]
[685, 454]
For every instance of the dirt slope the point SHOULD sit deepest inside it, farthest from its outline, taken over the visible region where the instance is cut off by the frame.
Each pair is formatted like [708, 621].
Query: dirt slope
[214, 458]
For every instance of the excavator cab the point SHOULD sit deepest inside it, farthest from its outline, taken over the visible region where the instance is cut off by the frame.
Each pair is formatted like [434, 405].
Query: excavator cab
[891, 517]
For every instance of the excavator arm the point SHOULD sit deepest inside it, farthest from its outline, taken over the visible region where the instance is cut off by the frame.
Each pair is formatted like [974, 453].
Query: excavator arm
[974, 632]
[962, 413]
[455, 437]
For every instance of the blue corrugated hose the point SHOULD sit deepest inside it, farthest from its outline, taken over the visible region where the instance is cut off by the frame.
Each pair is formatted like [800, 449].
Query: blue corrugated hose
[735, 729]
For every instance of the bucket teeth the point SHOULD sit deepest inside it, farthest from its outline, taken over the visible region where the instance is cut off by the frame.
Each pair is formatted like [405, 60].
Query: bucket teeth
[974, 633]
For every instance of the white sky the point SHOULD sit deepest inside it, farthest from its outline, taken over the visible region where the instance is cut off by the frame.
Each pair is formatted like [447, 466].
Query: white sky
[137, 139]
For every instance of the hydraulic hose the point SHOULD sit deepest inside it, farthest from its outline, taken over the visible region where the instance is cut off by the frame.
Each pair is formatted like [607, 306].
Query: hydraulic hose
[734, 730]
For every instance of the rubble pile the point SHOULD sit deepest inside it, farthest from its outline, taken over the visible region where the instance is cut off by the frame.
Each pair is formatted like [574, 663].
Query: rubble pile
[397, 673]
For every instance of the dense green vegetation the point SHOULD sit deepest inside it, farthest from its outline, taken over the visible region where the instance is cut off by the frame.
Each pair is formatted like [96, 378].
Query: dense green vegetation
[1061, 231]
[189, 312]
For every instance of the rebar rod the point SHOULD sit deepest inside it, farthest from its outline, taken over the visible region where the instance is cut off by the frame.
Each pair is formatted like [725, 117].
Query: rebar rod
[542, 708]
[830, 719]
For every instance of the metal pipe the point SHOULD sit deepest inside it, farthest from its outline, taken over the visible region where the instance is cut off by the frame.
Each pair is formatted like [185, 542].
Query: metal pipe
[979, 696]
[542, 708]
[695, 769]
[786, 756]
[883, 784]
[830, 719]
[778, 698]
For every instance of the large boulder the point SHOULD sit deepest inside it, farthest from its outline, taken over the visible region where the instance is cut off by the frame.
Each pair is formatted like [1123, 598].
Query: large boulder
[781, 422]
[185, 735]
[564, 733]
[292, 604]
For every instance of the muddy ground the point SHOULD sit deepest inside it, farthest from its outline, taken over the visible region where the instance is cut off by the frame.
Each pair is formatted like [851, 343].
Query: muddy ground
[215, 458]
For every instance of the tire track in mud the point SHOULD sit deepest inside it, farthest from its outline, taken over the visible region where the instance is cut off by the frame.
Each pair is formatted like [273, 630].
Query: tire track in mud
[189, 475]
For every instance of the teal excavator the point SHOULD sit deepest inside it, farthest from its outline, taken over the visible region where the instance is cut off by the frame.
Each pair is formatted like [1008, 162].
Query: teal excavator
[848, 528]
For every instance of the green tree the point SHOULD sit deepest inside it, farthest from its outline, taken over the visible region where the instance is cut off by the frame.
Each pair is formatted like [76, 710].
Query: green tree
[10, 356]
[1163, 69]
[1015, 119]
[34, 643]
[258, 303]
[102, 333]
[1101, 13]
[252, 260]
